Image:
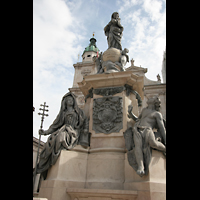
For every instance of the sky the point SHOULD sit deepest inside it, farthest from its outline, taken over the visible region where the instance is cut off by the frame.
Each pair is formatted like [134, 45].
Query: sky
[62, 29]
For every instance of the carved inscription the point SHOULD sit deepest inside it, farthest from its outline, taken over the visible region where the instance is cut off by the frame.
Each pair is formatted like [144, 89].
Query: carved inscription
[109, 91]
[85, 72]
[108, 114]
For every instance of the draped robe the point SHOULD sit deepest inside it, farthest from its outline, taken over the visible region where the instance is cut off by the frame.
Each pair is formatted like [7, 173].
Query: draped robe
[64, 134]
[113, 31]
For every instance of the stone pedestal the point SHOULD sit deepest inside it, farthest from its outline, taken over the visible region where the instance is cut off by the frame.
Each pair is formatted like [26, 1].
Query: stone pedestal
[102, 172]
[100, 194]
[152, 186]
[69, 171]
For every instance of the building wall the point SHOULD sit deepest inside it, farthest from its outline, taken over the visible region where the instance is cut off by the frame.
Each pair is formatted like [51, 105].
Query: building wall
[35, 149]
[151, 88]
[164, 67]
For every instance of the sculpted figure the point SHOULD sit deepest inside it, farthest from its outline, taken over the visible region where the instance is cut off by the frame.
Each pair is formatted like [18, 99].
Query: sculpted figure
[113, 30]
[141, 138]
[98, 62]
[124, 58]
[68, 129]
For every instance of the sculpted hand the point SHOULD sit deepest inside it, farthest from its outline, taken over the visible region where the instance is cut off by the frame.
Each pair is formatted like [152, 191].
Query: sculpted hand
[41, 132]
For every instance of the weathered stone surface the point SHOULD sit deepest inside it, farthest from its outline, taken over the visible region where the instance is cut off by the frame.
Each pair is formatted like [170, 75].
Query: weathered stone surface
[107, 114]
[101, 194]
[111, 54]
[113, 80]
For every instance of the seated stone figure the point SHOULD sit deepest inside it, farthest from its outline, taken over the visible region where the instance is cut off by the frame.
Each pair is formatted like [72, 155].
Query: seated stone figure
[68, 129]
[140, 139]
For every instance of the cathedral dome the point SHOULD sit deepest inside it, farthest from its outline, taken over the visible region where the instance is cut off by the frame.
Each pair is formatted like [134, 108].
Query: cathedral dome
[92, 46]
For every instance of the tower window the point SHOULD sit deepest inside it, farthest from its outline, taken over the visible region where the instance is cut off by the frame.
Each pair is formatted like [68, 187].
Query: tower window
[88, 55]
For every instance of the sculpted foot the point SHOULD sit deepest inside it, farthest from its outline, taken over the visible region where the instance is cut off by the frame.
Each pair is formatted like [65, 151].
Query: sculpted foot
[140, 172]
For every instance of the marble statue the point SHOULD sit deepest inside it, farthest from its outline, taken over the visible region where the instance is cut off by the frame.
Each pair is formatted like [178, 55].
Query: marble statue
[113, 30]
[140, 139]
[70, 128]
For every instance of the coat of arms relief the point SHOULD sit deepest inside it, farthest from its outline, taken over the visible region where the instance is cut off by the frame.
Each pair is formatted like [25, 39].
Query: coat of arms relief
[108, 114]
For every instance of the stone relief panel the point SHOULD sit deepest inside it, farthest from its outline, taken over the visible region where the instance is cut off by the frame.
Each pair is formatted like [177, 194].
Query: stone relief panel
[109, 91]
[108, 114]
[81, 100]
[85, 72]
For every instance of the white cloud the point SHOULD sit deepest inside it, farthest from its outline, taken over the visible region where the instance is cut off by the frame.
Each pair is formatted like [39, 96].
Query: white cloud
[124, 4]
[146, 35]
[153, 7]
[55, 46]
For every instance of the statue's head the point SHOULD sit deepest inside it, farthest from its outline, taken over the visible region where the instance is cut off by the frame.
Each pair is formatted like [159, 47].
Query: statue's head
[69, 101]
[154, 101]
[126, 50]
[115, 15]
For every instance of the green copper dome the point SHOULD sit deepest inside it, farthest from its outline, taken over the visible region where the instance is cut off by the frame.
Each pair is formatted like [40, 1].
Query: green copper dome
[92, 46]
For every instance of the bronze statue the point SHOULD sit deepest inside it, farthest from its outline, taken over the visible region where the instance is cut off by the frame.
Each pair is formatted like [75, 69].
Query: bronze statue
[113, 30]
[141, 138]
[70, 128]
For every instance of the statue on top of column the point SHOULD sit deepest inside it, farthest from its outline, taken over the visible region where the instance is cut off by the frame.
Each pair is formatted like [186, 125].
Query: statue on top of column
[113, 30]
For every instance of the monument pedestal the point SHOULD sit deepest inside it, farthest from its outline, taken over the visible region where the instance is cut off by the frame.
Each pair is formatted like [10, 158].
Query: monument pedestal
[102, 171]
[69, 171]
[100, 194]
[107, 109]
[152, 186]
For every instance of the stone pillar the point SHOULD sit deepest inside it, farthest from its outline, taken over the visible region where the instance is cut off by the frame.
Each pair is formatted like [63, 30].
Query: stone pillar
[107, 108]
[106, 164]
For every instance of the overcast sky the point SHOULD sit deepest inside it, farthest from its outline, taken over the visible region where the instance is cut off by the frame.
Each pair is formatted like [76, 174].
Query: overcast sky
[62, 29]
